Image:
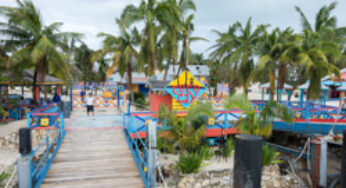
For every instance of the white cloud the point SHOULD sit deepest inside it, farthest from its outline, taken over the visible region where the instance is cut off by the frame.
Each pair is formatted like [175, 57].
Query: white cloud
[94, 16]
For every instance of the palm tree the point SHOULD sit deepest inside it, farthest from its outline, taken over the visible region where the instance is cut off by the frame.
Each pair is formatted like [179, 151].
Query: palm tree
[321, 47]
[237, 47]
[146, 12]
[261, 124]
[36, 45]
[278, 51]
[123, 48]
[314, 57]
[83, 61]
[171, 20]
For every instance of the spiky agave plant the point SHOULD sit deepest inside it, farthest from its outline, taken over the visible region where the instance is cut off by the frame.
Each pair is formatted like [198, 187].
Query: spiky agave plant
[258, 123]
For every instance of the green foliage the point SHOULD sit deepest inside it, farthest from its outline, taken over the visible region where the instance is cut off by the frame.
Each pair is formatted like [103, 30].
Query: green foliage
[269, 156]
[228, 147]
[3, 177]
[205, 152]
[261, 124]
[165, 144]
[181, 130]
[2, 111]
[189, 163]
[140, 101]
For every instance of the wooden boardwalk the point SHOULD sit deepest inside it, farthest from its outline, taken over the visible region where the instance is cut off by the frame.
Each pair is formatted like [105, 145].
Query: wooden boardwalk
[93, 158]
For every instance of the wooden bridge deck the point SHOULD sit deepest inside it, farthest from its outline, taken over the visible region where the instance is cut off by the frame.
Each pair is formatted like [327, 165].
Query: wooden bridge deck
[93, 158]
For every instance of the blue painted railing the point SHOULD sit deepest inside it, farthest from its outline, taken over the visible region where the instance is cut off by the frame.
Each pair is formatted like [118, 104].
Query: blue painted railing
[137, 146]
[43, 155]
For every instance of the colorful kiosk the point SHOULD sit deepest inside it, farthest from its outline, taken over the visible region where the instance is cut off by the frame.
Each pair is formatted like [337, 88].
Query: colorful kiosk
[15, 110]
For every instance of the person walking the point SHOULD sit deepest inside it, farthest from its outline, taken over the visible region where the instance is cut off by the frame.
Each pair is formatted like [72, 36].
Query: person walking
[90, 104]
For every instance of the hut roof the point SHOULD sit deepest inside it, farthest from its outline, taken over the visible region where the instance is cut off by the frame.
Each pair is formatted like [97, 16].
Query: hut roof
[305, 86]
[158, 85]
[267, 85]
[27, 77]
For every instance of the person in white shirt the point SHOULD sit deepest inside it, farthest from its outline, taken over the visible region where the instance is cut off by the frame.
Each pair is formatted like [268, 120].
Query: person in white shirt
[89, 100]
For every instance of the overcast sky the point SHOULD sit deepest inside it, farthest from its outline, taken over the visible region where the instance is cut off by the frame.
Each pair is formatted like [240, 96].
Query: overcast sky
[93, 16]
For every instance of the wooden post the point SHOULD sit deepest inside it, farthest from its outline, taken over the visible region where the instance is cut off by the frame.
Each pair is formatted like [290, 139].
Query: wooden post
[37, 93]
[319, 165]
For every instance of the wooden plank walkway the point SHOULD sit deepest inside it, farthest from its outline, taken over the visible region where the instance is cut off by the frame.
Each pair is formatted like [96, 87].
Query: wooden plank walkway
[93, 158]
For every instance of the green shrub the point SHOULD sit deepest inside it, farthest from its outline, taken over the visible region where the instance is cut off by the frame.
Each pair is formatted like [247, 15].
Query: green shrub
[2, 111]
[228, 147]
[141, 103]
[269, 156]
[189, 163]
[165, 145]
[3, 177]
[206, 152]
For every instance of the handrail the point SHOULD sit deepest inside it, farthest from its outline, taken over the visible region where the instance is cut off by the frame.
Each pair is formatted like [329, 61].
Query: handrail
[138, 149]
[40, 166]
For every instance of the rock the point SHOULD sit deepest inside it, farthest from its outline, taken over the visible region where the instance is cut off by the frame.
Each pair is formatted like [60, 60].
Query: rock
[197, 185]
[181, 185]
[276, 183]
[214, 181]
[225, 180]
[205, 182]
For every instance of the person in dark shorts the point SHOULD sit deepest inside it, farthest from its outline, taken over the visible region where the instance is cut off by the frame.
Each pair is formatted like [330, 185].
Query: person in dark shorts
[89, 100]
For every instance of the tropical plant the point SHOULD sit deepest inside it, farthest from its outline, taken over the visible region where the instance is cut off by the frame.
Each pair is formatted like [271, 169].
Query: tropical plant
[83, 62]
[277, 50]
[181, 130]
[3, 177]
[124, 51]
[36, 45]
[228, 147]
[321, 47]
[236, 48]
[164, 144]
[147, 12]
[205, 152]
[171, 22]
[189, 163]
[258, 124]
[269, 156]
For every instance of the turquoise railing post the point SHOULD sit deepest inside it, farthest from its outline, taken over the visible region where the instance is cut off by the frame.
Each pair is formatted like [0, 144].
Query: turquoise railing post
[29, 120]
[131, 124]
[62, 125]
[225, 123]
[306, 111]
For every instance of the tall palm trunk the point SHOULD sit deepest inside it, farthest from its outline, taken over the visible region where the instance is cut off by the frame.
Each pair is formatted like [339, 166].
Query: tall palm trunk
[152, 64]
[34, 84]
[129, 80]
[166, 69]
[272, 84]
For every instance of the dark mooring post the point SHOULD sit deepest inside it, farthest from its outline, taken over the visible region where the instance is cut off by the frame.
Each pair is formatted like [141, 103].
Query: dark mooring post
[343, 167]
[247, 161]
[24, 162]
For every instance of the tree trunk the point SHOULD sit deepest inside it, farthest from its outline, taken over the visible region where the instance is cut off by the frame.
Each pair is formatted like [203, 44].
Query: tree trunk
[166, 70]
[129, 80]
[272, 84]
[34, 87]
[22, 91]
[152, 64]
